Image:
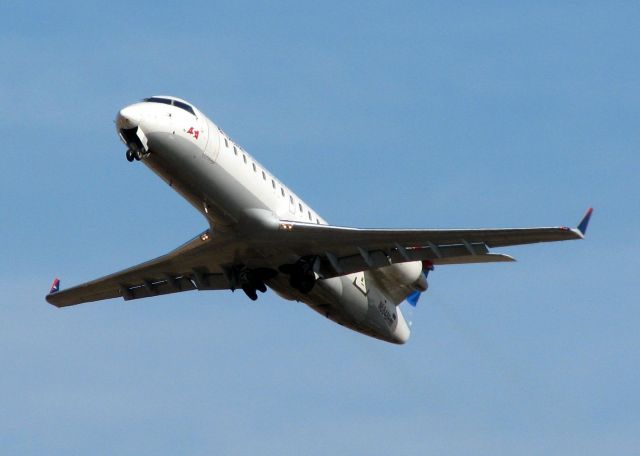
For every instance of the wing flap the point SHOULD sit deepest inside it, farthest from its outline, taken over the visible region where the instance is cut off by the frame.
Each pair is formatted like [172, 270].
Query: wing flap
[176, 285]
[332, 265]
[475, 259]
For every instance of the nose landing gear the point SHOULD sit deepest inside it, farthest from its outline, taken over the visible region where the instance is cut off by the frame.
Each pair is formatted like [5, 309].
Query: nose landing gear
[136, 141]
[134, 154]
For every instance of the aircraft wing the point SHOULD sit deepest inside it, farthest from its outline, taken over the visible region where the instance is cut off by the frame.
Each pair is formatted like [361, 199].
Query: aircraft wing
[341, 250]
[344, 250]
[185, 268]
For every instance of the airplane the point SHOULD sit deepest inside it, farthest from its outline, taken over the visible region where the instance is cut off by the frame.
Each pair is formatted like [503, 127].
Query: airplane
[261, 235]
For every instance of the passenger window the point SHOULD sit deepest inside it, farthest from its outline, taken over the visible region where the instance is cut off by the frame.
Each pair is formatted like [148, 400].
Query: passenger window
[310, 215]
[300, 207]
[244, 158]
[235, 151]
[282, 191]
[264, 176]
[291, 199]
[226, 143]
[254, 167]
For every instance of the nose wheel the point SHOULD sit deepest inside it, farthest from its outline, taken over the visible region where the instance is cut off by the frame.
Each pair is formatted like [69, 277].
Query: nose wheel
[133, 154]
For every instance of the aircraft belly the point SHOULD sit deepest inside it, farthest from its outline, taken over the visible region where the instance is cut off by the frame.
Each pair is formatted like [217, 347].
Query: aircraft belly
[350, 300]
[345, 301]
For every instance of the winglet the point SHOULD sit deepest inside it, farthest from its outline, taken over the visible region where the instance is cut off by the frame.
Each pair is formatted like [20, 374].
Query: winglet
[582, 226]
[55, 286]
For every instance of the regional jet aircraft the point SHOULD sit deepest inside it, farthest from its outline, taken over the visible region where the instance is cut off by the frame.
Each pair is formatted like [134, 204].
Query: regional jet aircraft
[262, 235]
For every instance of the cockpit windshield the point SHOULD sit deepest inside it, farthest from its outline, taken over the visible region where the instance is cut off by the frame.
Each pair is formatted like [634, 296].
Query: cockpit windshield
[176, 103]
[184, 106]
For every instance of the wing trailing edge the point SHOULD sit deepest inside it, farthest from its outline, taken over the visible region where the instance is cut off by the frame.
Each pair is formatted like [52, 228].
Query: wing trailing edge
[343, 250]
[186, 268]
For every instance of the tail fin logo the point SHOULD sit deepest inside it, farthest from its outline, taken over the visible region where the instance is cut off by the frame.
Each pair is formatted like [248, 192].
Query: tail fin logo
[55, 286]
[413, 298]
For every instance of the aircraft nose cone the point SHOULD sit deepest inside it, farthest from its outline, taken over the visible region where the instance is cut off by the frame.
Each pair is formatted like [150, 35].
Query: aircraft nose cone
[128, 117]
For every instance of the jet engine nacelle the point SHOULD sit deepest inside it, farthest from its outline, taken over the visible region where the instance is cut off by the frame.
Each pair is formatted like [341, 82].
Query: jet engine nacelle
[399, 280]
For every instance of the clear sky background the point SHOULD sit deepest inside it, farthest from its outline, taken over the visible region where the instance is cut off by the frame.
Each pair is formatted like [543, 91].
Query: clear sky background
[378, 114]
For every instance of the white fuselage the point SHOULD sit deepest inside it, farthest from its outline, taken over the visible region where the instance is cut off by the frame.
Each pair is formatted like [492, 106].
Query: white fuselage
[242, 200]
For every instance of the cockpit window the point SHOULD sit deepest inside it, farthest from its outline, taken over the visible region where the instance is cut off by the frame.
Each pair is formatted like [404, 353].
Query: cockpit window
[158, 100]
[184, 106]
[176, 103]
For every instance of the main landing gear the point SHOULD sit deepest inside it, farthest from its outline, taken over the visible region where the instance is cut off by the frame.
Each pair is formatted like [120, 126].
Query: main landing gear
[251, 289]
[302, 274]
[252, 280]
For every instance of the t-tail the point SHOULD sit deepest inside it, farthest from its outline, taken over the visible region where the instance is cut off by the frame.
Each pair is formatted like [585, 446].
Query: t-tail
[409, 307]
[415, 296]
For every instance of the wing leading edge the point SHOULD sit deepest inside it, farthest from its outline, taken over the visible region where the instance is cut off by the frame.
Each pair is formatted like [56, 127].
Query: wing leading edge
[343, 250]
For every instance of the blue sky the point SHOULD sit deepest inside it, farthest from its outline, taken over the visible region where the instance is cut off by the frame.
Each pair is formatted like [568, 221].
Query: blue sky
[377, 114]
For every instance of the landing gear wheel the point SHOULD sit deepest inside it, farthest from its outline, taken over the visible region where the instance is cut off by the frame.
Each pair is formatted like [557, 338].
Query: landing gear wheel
[250, 292]
[261, 287]
[129, 155]
[137, 154]
[302, 274]
[307, 285]
[303, 283]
